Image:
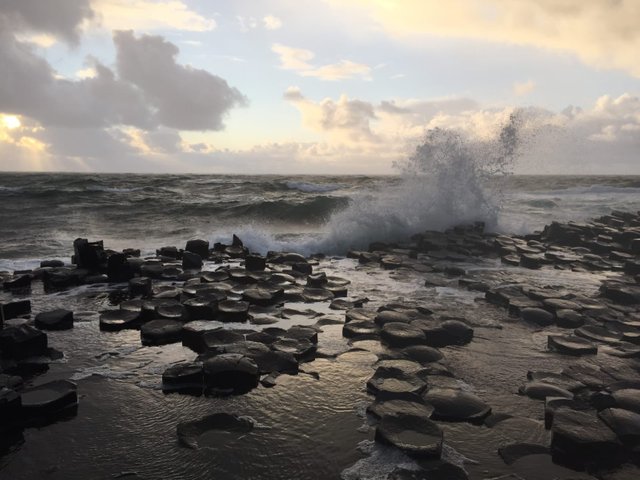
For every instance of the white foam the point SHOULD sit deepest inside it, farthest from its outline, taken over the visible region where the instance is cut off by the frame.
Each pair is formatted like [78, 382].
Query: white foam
[379, 463]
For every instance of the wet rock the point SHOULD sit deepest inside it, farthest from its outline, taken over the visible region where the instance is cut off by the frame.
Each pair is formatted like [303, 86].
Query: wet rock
[621, 293]
[184, 377]
[299, 332]
[537, 315]
[360, 329]
[255, 262]
[540, 390]
[430, 470]
[89, 255]
[118, 268]
[456, 405]
[50, 399]
[18, 282]
[422, 354]
[189, 433]
[598, 334]
[51, 264]
[161, 332]
[416, 436]
[389, 383]
[543, 467]
[380, 408]
[191, 261]
[59, 319]
[299, 348]
[317, 295]
[390, 316]
[15, 309]
[532, 261]
[398, 335]
[140, 286]
[258, 296]
[22, 341]
[201, 308]
[628, 398]
[566, 318]
[230, 373]
[10, 408]
[581, 439]
[571, 345]
[515, 451]
[199, 247]
[114, 320]
[554, 304]
[449, 332]
[233, 311]
[624, 423]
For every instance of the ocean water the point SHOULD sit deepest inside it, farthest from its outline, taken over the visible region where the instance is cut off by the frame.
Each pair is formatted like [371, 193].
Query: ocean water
[41, 214]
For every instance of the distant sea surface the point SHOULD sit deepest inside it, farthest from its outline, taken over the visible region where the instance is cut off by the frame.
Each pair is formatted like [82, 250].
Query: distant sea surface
[41, 214]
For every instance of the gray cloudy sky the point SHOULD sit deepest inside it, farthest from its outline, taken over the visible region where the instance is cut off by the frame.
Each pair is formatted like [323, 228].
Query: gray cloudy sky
[322, 86]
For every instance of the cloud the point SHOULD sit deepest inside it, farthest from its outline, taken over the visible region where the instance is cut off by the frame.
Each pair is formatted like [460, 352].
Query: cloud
[185, 98]
[271, 22]
[148, 15]
[297, 59]
[602, 33]
[524, 88]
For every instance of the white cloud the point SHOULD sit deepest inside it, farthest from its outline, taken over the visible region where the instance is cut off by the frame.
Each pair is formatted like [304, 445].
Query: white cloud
[148, 15]
[524, 88]
[603, 33]
[271, 22]
[297, 59]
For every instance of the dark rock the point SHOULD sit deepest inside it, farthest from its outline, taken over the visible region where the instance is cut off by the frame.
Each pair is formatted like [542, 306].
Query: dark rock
[202, 308]
[18, 282]
[571, 345]
[89, 255]
[598, 334]
[390, 316]
[628, 398]
[302, 333]
[199, 247]
[532, 261]
[230, 373]
[317, 280]
[581, 439]
[175, 312]
[456, 405]
[449, 332]
[140, 286]
[317, 295]
[389, 383]
[14, 309]
[59, 319]
[380, 408]
[537, 315]
[543, 467]
[398, 335]
[118, 268]
[161, 332]
[255, 262]
[191, 261]
[10, 408]
[49, 399]
[552, 404]
[416, 436]
[540, 390]
[22, 341]
[566, 318]
[258, 296]
[299, 348]
[233, 311]
[360, 329]
[624, 423]
[169, 252]
[430, 470]
[51, 264]
[190, 433]
[422, 354]
[511, 453]
[554, 304]
[184, 377]
[113, 320]
[621, 293]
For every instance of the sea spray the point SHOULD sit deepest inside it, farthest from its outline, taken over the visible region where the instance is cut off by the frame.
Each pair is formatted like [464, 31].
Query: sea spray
[446, 182]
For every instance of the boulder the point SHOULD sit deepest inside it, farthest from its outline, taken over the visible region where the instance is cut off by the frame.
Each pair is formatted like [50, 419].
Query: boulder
[59, 319]
[398, 335]
[22, 341]
[230, 373]
[18, 282]
[233, 311]
[456, 405]
[199, 247]
[140, 286]
[255, 263]
[118, 268]
[449, 332]
[422, 354]
[89, 255]
[15, 309]
[538, 316]
[191, 261]
[416, 436]
[390, 316]
[566, 318]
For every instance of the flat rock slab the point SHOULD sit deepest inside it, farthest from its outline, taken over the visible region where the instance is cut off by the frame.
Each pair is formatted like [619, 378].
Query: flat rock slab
[184, 377]
[388, 383]
[566, 318]
[511, 453]
[598, 334]
[59, 319]
[542, 467]
[628, 398]
[571, 345]
[398, 335]
[360, 329]
[625, 424]
[233, 310]
[416, 436]
[22, 341]
[49, 399]
[230, 373]
[213, 429]
[456, 405]
[399, 407]
[539, 390]
[390, 316]
[422, 354]
[115, 320]
[161, 332]
[581, 439]
[538, 316]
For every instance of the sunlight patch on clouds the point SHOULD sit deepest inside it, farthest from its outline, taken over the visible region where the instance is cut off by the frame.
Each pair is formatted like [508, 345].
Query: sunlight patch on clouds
[601, 33]
[146, 15]
[272, 22]
[524, 88]
[10, 121]
[297, 59]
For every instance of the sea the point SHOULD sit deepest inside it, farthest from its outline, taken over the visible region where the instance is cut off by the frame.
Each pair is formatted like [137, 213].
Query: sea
[42, 213]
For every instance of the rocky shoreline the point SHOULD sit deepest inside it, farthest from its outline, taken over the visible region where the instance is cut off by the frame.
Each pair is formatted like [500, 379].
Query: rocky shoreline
[250, 319]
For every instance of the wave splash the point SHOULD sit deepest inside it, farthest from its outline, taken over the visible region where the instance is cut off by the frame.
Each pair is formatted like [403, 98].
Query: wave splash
[446, 182]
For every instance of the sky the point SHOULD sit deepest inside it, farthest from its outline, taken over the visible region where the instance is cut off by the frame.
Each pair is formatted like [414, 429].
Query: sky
[319, 87]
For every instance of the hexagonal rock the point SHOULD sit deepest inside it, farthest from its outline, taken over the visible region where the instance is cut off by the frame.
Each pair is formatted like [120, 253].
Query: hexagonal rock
[59, 319]
[416, 436]
[554, 304]
[538, 316]
[396, 334]
[360, 314]
[390, 316]
[598, 334]
[161, 332]
[539, 390]
[449, 332]
[581, 439]
[566, 318]
[22, 341]
[624, 423]
[422, 354]
[456, 405]
[389, 383]
[299, 348]
[258, 296]
[571, 345]
[628, 398]
[114, 320]
[302, 333]
[49, 399]
[230, 373]
[233, 311]
[183, 377]
[360, 329]
[317, 295]
[380, 408]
